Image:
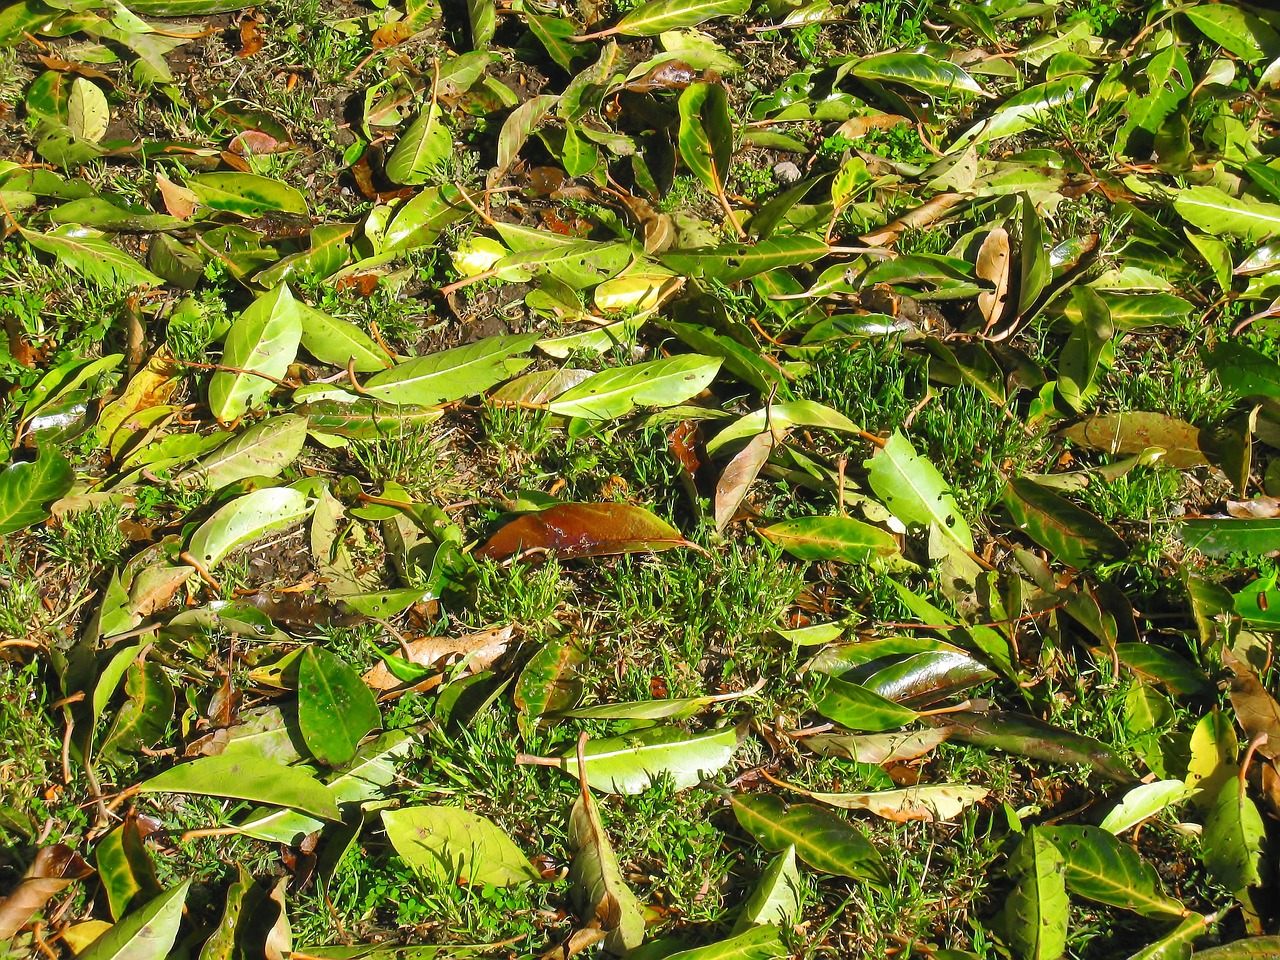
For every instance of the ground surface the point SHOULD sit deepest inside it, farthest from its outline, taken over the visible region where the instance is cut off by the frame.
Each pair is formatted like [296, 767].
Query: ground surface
[853, 427]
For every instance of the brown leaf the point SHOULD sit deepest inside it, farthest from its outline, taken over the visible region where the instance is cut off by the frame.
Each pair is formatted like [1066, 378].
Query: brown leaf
[928, 212]
[252, 143]
[392, 34]
[855, 128]
[668, 75]
[70, 66]
[178, 201]
[251, 37]
[1132, 432]
[1259, 508]
[54, 869]
[993, 266]
[481, 648]
[740, 474]
[1256, 710]
[583, 530]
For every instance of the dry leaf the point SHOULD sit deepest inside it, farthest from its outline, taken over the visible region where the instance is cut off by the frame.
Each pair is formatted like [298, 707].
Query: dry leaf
[481, 649]
[928, 212]
[993, 266]
[54, 869]
[1256, 710]
[740, 474]
[857, 127]
[1259, 508]
[178, 201]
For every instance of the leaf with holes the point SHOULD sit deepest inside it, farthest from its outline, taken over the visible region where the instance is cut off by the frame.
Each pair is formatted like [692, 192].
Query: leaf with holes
[1101, 868]
[336, 710]
[1034, 918]
[914, 491]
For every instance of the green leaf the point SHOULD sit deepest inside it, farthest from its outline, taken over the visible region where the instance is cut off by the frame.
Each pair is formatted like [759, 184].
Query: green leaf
[425, 148]
[451, 374]
[597, 885]
[554, 33]
[1036, 739]
[483, 16]
[184, 8]
[630, 764]
[706, 133]
[264, 339]
[732, 262]
[1248, 948]
[780, 417]
[518, 127]
[264, 450]
[1233, 839]
[1237, 31]
[1036, 271]
[221, 944]
[1101, 868]
[923, 73]
[1025, 110]
[1221, 538]
[1176, 944]
[125, 867]
[247, 775]
[831, 538]
[854, 706]
[1245, 371]
[246, 194]
[659, 383]
[1034, 918]
[104, 215]
[822, 839]
[549, 682]
[338, 342]
[1218, 213]
[27, 488]
[1143, 802]
[245, 519]
[142, 720]
[91, 258]
[369, 773]
[658, 16]
[88, 114]
[146, 934]
[777, 895]
[336, 710]
[1074, 536]
[453, 845]
[913, 490]
[1082, 359]
[762, 943]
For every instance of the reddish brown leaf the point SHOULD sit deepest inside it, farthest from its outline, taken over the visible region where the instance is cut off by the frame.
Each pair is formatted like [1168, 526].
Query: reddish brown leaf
[668, 75]
[69, 66]
[740, 474]
[54, 869]
[583, 530]
[993, 266]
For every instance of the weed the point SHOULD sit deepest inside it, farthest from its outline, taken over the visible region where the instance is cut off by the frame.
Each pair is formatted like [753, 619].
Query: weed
[88, 538]
[416, 456]
[520, 593]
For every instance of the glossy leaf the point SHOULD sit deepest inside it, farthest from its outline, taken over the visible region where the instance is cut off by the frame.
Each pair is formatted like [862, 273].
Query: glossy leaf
[146, 934]
[822, 839]
[706, 133]
[1036, 739]
[630, 764]
[246, 519]
[91, 258]
[1219, 213]
[921, 72]
[335, 708]
[451, 374]
[264, 339]
[1233, 839]
[338, 342]
[913, 490]
[761, 943]
[854, 706]
[246, 775]
[659, 383]
[1034, 917]
[583, 530]
[29, 487]
[776, 897]
[831, 538]
[780, 417]
[246, 194]
[1074, 536]
[732, 262]
[1221, 538]
[1101, 868]
[264, 450]
[658, 16]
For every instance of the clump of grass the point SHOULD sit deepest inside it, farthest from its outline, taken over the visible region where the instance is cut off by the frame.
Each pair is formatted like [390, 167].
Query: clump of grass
[90, 537]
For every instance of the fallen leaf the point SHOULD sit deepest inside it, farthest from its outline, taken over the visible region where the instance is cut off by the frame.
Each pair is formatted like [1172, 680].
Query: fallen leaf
[481, 649]
[583, 530]
[993, 266]
[1256, 710]
[54, 869]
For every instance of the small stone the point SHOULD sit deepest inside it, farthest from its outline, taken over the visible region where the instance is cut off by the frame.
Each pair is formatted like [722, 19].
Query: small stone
[786, 172]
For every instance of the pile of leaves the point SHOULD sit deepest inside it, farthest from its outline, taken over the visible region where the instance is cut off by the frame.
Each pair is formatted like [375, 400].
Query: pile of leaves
[924, 354]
